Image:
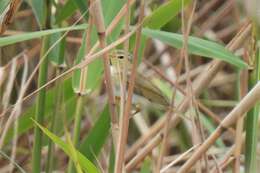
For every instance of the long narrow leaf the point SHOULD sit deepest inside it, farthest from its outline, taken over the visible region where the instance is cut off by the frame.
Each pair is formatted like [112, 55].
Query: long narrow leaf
[197, 46]
[158, 18]
[164, 13]
[66, 11]
[56, 55]
[85, 164]
[96, 138]
[82, 5]
[4, 41]
[39, 10]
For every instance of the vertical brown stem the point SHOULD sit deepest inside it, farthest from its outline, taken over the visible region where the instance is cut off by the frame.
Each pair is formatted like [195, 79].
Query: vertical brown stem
[240, 121]
[123, 129]
[96, 12]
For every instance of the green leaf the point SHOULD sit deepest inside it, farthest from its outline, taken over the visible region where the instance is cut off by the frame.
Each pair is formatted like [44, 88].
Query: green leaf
[70, 8]
[95, 69]
[96, 138]
[110, 9]
[112, 157]
[66, 11]
[85, 164]
[159, 17]
[82, 5]
[56, 55]
[252, 117]
[76, 78]
[163, 14]
[39, 9]
[197, 46]
[4, 41]
[3, 5]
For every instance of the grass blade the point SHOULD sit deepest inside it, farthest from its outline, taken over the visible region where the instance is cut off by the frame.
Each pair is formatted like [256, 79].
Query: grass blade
[66, 11]
[39, 9]
[40, 111]
[4, 41]
[163, 14]
[85, 164]
[253, 116]
[197, 46]
[96, 138]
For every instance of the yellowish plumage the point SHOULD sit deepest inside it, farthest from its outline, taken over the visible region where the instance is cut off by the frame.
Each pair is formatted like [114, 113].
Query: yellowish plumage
[143, 86]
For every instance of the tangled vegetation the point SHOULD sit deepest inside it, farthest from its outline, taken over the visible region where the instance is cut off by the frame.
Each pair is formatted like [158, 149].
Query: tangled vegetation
[129, 86]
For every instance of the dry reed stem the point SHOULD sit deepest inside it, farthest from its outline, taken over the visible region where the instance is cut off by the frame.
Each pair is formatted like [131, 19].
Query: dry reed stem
[102, 34]
[211, 152]
[240, 122]
[215, 18]
[84, 63]
[227, 156]
[193, 73]
[197, 131]
[200, 84]
[123, 127]
[18, 110]
[98, 18]
[213, 116]
[124, 68]
[166, 132]
[178, 159]
[205, 9]
[246, 104]
[163, 76]
[184, 52]
[8, 88]
[26, 85]
[222, 79]
[219, 80]
[224, 33]
[201, 106]
[143, 153]
[145, 138]
[88, 58]
[20, 61]
[112, 25]
[10, 82]
[80, 65]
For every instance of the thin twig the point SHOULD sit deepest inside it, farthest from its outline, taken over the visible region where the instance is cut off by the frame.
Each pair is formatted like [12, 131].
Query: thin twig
[123, 127]
[200, 84]
[246, 104]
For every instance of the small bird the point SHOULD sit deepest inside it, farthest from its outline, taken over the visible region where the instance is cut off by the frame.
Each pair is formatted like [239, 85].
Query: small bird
[119, 60]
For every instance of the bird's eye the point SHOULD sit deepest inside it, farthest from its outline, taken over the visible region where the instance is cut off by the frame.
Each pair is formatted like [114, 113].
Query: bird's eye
[120, 56]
